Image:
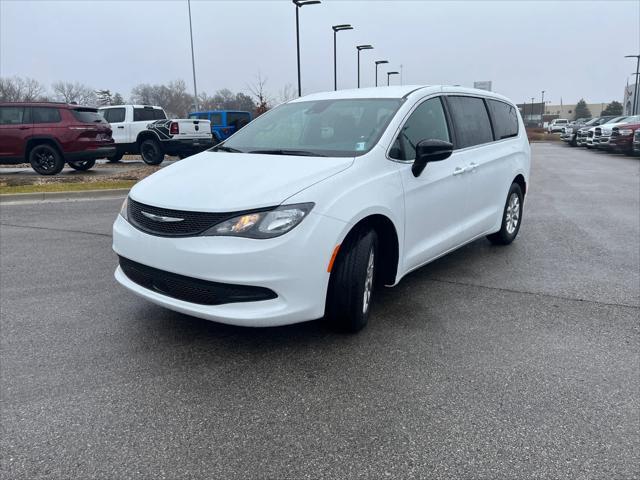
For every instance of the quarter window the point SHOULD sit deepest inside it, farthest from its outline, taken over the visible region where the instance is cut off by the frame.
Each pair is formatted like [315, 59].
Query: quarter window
[12, 115]
[427, 122]
[45, 115]
[504, 118]
[148, 114]
[471, 121]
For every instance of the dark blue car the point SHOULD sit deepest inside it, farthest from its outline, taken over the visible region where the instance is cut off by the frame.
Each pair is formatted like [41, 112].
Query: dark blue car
[224, 123]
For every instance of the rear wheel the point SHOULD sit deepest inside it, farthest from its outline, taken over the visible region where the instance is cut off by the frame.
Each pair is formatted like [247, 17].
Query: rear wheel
[46, 159]
[151, 152]
[83, 165]
[352, 282]
[511, 218]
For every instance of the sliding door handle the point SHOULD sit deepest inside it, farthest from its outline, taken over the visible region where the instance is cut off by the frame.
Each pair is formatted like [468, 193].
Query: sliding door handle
[459, 171]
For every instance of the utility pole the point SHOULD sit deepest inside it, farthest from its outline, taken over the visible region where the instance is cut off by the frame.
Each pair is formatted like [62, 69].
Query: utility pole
[193, 61]
[634, 109]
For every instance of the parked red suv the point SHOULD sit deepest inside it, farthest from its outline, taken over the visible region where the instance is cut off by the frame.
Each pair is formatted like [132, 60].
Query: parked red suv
[621, 139]
[47, 135]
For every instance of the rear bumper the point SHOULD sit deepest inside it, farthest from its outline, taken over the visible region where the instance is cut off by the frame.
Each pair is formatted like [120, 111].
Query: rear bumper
[92, 154]
[187, 145]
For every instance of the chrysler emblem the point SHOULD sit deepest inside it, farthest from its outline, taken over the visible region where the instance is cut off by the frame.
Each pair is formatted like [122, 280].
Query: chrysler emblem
[160, 218]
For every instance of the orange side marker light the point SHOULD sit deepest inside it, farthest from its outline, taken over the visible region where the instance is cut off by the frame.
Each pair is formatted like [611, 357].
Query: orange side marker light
[333, 258]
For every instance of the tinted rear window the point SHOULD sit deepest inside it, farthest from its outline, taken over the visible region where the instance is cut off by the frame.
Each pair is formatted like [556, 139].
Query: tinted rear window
[88, 115]
[45, 115]
[471, 121]
[113, 115]
[238, 118]
[505, 119]
[148, 114]
[11, 115]
[216, 119]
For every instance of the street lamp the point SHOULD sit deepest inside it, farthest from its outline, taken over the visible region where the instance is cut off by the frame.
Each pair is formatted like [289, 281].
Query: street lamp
[193, 61]
[542, 115]
[389, 76]
[532, 110]
[299, 4]
[361, 47]
[635, 89]
[379, 62]
[336, 29]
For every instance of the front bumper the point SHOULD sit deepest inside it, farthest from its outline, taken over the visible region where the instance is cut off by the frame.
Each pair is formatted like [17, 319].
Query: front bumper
[294, 266]
[621, 144]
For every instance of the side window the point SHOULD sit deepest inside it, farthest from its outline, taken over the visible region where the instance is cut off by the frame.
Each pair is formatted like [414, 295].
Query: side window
[471, 121]
[45, 115]
[159, 114]
[114, 115]
[504, 118]
[427, 122]
[12, 115]
[143, 115]
[216, 119]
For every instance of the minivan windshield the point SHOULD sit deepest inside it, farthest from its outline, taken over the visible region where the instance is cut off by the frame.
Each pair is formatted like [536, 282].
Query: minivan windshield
[336, 128]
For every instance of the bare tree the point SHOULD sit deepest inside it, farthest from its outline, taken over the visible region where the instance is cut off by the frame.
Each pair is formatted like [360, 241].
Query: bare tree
[117, 99]
[173, 97]
[287, 93]
[18, 89]
[75, 93]
[263, 102]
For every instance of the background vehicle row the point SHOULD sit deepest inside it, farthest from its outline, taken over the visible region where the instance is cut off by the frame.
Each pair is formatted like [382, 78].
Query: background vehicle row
[605, 133]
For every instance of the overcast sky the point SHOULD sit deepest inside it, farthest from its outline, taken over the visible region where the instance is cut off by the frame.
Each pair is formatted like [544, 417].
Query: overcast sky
[571, 49]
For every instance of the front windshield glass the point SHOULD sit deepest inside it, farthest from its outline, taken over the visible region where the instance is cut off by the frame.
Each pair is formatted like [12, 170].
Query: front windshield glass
[616, 120]
[337, 128]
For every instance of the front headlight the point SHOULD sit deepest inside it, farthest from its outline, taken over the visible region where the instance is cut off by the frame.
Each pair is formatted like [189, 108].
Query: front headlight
[268, 224]
[124, 211]
[625, 131]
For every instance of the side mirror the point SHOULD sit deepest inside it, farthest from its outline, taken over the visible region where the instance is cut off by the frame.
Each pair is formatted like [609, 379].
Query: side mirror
[430, 151]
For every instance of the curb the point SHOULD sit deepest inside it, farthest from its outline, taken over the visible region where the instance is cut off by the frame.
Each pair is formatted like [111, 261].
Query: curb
[71, 195]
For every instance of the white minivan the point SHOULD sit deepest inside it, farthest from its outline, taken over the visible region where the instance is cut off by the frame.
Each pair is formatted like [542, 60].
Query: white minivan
[306, 210]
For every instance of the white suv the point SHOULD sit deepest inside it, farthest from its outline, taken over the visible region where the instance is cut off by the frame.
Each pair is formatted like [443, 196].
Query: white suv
[303, 212]
[557, 125]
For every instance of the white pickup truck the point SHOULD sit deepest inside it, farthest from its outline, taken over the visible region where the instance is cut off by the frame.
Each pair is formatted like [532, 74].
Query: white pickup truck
[145, 130]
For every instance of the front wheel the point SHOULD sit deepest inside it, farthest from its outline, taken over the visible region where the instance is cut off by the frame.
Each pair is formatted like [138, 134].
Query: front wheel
[151, 152]
[352, 282]
[83, 165]
[46, 159]
[511, 218]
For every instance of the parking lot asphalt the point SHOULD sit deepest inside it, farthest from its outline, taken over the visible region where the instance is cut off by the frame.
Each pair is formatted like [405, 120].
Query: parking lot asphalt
[492, 362]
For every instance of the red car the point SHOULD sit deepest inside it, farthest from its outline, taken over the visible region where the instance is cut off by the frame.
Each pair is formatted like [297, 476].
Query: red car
[621, 139]
[47, 134]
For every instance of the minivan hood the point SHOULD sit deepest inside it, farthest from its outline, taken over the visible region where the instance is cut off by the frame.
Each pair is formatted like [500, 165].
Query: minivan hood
[223, 182]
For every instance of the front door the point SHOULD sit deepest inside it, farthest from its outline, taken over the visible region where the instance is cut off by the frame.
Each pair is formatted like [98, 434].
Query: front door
[435, 202]
[15, 129]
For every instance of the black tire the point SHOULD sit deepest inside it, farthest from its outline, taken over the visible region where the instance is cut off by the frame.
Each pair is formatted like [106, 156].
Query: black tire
[353, 273]
[151, 152]
[83, 165]
[574, 141]
[115, 158]
[508, 232]
[46, 159]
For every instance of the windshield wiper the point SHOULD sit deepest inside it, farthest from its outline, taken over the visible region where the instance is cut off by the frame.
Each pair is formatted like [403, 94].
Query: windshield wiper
[222, 148]
[301, 153]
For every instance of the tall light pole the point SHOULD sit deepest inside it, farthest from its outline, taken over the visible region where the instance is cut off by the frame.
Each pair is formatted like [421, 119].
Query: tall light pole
[361, 47]
[634, 109]
[379, 62]
[336, 29]
[299, 4]
[193, 61]
[532, 109]
[542, 114]
[389, 76]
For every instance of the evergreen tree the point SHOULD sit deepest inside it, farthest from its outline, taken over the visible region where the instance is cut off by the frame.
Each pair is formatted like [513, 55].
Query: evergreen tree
[582, 110]
[614, 108]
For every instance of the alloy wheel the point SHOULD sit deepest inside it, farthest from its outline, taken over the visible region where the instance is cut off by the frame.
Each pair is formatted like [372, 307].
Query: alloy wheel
[368, 282]
[513, 213]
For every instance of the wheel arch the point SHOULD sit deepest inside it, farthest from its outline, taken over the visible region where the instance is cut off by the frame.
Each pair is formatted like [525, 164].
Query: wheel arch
[146, 135]
[39, 140]
[519, 179]
[388, 244]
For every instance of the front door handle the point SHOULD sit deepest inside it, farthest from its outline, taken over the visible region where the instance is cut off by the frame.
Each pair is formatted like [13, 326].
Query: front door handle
[120, 126]
[459, 171]
[472, 166]
[24, 128]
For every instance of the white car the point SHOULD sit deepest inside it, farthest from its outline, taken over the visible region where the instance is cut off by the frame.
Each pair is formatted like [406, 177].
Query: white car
[594, 133]
[304, 211]
[146, 130]
[602, 133]
[557, 125]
